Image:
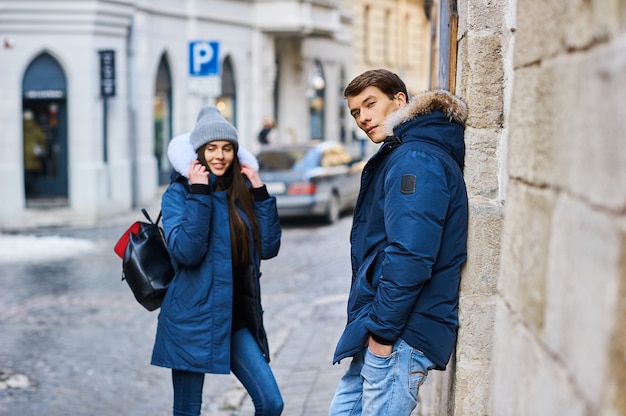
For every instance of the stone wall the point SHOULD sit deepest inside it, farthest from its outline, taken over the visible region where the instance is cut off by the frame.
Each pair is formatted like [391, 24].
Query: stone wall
[543, 294]
[484, 63]
[560, 337]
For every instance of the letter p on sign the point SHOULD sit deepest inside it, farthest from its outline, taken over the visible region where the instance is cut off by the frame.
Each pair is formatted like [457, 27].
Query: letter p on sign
[204, 58]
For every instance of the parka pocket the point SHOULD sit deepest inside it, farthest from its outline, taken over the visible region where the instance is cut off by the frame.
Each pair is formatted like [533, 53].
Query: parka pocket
[375, 268]
[184, 301]
[361, 294]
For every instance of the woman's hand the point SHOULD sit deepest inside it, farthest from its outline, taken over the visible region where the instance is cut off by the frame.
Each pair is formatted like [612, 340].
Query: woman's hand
[252, 175]
[198, 174]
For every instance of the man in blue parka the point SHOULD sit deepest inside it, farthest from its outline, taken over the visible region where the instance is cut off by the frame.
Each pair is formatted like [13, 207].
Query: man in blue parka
[408, 243]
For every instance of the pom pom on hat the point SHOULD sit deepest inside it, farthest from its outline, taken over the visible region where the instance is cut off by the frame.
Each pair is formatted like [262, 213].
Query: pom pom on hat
[212, 126]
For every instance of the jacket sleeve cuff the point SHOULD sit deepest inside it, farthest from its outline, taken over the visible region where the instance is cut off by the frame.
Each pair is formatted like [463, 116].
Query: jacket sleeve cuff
[198, 188]
[381, 340]
[260, 194]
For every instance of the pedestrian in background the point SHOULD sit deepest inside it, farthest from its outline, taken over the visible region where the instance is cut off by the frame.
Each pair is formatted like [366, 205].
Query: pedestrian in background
[266, 135]
[35, 151]
[219, 222]
[408, 243]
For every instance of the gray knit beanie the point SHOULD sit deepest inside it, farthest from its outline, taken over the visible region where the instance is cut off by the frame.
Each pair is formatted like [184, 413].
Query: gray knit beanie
[211, 126]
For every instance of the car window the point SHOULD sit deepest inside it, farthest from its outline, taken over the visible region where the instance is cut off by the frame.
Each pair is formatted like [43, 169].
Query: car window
[280, 159]
[310, 160]
[335, 156]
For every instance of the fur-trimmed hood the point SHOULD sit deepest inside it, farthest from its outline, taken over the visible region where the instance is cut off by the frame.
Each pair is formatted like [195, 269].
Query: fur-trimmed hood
[436, 116]
[181, 154]
[425, 103]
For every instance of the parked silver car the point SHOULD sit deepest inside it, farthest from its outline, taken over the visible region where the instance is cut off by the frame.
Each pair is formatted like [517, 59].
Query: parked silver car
[320, 179]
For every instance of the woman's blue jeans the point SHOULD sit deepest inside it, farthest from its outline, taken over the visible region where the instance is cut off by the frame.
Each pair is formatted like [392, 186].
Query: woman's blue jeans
[375, 385]
[248, 365]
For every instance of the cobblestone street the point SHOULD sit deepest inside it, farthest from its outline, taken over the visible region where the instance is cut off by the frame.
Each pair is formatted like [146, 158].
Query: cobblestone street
[75, 342]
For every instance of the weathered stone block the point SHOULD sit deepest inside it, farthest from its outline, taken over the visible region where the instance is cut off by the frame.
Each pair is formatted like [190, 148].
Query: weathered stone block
[483, 252]
[475, 336]
[582, 291]
[525, 251]
[482, 162]
[522, 123]
[540, 30]
[484, 87]
[590, 126]
[483, 15]
[526, 378]
[591, 21]
[471, 395]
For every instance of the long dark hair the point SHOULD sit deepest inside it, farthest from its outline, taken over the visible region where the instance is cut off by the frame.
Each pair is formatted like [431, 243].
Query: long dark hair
[237, 194]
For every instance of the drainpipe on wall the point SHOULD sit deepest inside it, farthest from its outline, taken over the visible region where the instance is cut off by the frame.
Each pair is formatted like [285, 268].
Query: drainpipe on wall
[132, 113]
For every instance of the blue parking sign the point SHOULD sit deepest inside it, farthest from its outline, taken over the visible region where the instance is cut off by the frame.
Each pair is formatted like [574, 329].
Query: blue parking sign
[204, 58]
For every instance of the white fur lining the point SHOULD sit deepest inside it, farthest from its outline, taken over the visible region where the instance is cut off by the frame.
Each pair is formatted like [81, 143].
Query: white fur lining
[181, 154]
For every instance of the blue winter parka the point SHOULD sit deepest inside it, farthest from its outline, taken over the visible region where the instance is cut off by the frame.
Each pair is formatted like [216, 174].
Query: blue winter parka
[194, 325]
[409, 232]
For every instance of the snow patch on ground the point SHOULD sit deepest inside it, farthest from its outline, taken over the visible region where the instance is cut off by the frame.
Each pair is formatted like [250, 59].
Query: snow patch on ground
[24, 248]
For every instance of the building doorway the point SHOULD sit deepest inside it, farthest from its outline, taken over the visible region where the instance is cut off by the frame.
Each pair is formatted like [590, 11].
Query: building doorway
[163, 119]
[227, 101]
[44, 128]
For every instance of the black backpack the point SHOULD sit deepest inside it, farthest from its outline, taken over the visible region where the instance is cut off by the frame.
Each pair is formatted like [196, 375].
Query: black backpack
[146, 265]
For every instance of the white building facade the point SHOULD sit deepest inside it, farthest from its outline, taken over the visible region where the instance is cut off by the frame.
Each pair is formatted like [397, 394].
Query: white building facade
[91, 92]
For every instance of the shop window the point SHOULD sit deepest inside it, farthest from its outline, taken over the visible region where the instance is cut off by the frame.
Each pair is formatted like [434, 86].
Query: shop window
[44, 129]
[389, 39]
[163, 119]
[368, 36]
[315, 94]
[342, 108]
[227, 101]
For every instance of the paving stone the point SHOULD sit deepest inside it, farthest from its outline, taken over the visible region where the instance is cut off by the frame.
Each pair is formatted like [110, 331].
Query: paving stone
[77, 342]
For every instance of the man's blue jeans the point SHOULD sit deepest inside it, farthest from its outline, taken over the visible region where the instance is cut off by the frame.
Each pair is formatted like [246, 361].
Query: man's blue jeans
[248, 365]
[381, 386]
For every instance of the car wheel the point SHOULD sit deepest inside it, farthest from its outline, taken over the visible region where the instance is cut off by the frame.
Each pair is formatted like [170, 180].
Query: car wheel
[332, 210]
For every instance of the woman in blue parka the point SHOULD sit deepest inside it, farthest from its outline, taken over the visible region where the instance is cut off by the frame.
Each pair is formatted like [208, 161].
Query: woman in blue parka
[219, 222]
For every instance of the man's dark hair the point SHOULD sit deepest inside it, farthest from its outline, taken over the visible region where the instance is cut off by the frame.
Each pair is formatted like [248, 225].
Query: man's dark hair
[386, 81]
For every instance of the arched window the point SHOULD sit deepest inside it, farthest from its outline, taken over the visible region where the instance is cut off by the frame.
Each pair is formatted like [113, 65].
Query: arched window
[316, 94]
[44, 105]
[227, 101]
[342, 106]
[163, 119]
[276, 90]
[368, 36]
[389, 38]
